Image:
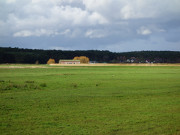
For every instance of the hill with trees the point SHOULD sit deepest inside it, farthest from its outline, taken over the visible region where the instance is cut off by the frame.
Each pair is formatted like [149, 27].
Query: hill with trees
[32, 56]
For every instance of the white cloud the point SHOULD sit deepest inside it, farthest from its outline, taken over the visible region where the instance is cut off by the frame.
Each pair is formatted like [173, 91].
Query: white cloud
[132, 9]
[95, 33]
[96, 18]
[56, 17]
[60, 14]
[38, 32]
[144, 31]
[24, 33]
[59, 48]
[65, 32]
[10, 1]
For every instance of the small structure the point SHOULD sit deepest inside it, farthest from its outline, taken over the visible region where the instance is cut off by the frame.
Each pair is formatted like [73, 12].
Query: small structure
[92, 62]
[69, 61]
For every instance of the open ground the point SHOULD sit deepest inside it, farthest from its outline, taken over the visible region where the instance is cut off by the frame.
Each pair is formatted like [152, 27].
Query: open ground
[94, 100]
[82, 65]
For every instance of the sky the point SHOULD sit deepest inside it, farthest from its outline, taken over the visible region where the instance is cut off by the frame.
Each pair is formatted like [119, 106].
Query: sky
[114, 25]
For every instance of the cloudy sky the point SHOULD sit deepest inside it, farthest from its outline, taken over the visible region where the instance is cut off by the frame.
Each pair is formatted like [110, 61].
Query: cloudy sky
[115, 25]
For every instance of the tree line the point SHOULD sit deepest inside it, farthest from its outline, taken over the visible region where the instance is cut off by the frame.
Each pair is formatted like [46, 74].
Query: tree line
[32, 56]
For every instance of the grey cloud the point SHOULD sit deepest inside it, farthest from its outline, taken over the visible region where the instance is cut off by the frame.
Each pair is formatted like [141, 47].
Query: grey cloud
[117, 25]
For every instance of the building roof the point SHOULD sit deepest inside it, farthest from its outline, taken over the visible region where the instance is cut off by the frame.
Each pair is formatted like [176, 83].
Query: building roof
[70, 60]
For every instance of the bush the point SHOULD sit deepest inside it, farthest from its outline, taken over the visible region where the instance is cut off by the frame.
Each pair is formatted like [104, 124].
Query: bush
[74, 85]
[8, 85]
[43, 85]
[1, 81]
[29, 81]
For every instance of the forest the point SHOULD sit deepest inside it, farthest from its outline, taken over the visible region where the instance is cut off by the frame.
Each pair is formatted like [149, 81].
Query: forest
[40, 56]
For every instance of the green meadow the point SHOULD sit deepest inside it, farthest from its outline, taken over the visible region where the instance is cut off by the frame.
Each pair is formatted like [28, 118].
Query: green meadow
[113, 100]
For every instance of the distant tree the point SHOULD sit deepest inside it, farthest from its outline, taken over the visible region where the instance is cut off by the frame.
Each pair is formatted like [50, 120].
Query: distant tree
[51, 61]
[83, 59]
[76, 58]
[19, 55]
[37, 62]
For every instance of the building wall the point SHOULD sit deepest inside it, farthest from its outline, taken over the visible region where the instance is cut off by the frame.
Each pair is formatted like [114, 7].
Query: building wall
[69, 62]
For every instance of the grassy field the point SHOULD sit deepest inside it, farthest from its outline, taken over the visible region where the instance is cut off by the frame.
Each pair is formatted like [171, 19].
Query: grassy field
[90, 100]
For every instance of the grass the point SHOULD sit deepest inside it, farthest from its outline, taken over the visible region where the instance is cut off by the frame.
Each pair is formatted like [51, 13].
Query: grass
[90, 100]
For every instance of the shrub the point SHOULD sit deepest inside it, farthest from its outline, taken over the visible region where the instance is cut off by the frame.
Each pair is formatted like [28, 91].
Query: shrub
[1, 81]
[29, 81]
[74, 85]
[15, 86]
[25, 86]
[43, 85]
